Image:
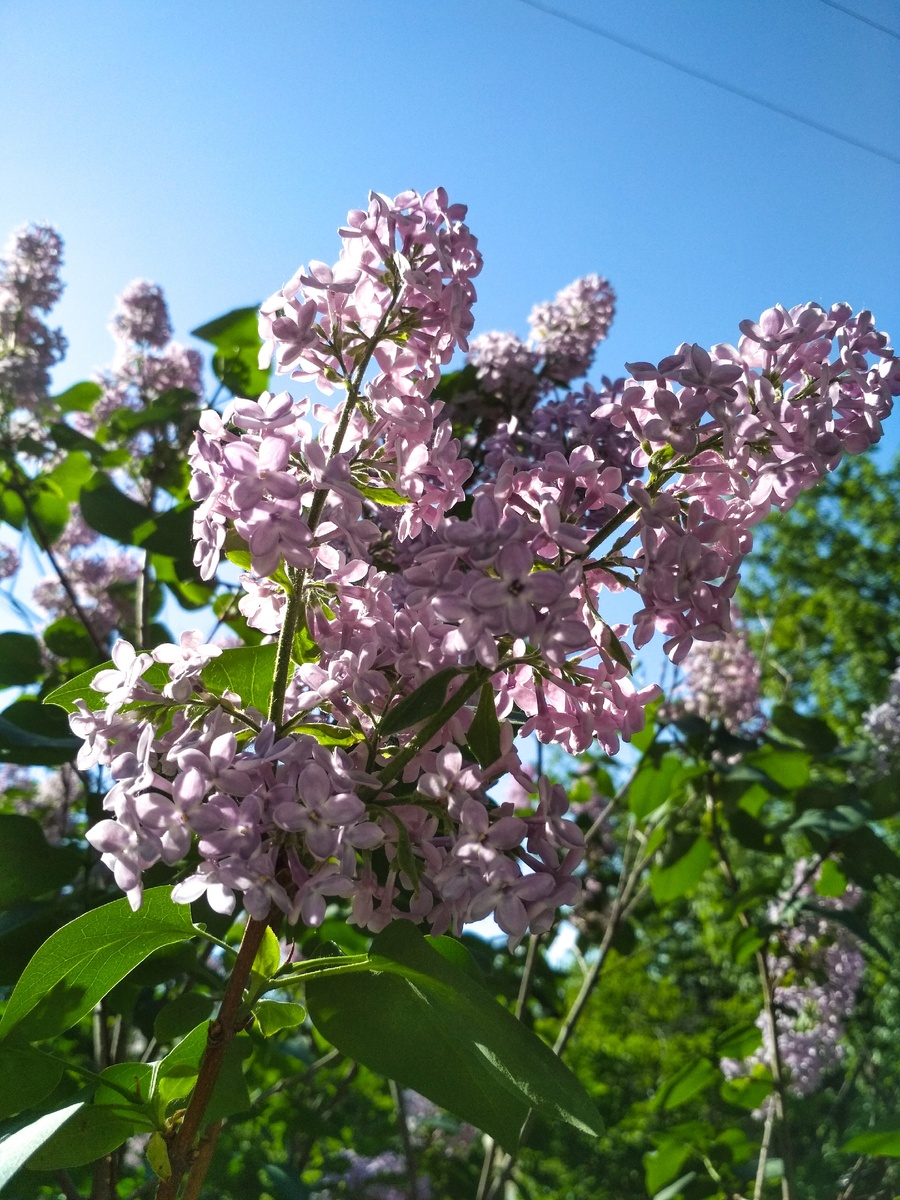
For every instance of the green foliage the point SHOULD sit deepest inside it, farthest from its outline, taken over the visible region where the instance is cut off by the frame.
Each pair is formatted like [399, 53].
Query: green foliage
[237, 342]
[416, 1018]
[83, 961]
[824, 585]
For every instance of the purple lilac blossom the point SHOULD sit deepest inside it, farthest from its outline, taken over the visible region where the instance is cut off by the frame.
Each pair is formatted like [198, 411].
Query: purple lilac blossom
[29, 285]
[722, 682]
[512, 587]
[9, 561]
[882, 725]
[142, 316]
[817, 971]
[567, 331]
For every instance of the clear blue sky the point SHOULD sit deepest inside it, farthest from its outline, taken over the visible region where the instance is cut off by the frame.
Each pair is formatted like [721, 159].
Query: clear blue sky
[215, 145]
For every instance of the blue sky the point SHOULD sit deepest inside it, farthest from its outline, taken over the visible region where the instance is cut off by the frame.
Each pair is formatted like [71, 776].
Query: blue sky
[214, 146]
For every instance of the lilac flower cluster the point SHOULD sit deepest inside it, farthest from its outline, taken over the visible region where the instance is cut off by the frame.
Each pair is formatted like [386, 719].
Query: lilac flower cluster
[565, 334]
[147, 364]
[882, 725]
[722, 682]
[758, 424]
[29, 286]
[379, 1177]
[818, 971]
[567, 331]
[9, 561]
[361, 545]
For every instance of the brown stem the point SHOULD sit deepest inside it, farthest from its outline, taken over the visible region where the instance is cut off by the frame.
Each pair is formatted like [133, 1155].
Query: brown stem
[409, 1157]
[44, 542]
[221, 1033]
[66, 1186]
[205, 1152]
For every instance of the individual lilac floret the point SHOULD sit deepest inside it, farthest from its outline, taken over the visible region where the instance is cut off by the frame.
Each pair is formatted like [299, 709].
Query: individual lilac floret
[142, 315]
[29, 285]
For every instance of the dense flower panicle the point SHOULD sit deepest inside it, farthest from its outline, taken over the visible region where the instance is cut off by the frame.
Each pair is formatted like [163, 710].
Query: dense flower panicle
[818, 970]
[882, 724]
[722, 683]
[507, 369]
[29, 285]
[365, 529]
[148, 364]
[142, 316]
[568, 330]
[9, 561]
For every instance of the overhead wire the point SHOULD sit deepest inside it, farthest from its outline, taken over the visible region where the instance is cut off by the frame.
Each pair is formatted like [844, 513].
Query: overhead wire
[752, 97]
[859, 17]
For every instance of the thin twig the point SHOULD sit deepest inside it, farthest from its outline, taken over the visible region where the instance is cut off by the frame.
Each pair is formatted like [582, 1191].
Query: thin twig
[409, 1157]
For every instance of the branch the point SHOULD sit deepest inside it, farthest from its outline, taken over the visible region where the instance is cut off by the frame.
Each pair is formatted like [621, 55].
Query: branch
[221, 1033]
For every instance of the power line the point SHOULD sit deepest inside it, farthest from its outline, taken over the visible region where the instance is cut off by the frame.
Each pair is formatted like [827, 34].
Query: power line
[859, 17]
[710, 79]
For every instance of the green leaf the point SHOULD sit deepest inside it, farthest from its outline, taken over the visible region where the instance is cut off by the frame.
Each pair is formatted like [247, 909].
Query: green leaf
[675, 1191]
[381, 495]
[80, 397]
[26, 1078]
[329, 735]
[110, 511]
[20, 660]
[68, 638]
[68, 438]
[885, 1143]
[745, 944]
[33, 735]
[80, 688]
[236, 361]
[415, 1017]
[748, 1092]
[247, 670]
[273, 1016]
[70, 475]
[663, 1164]
[668, 883]
[812, 733]
[483, 737]
[178, 1071]
[652, 786]
[455, 952]
[739, 1042]
[170, 534]
[424, 702]
[789, 768]
[94, 1131]
[832, 881]
[18, 1147]
[693, 1078]
[181, 1015]
[80, 963]
[268, 956]
[31, 866]
[49, 511]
